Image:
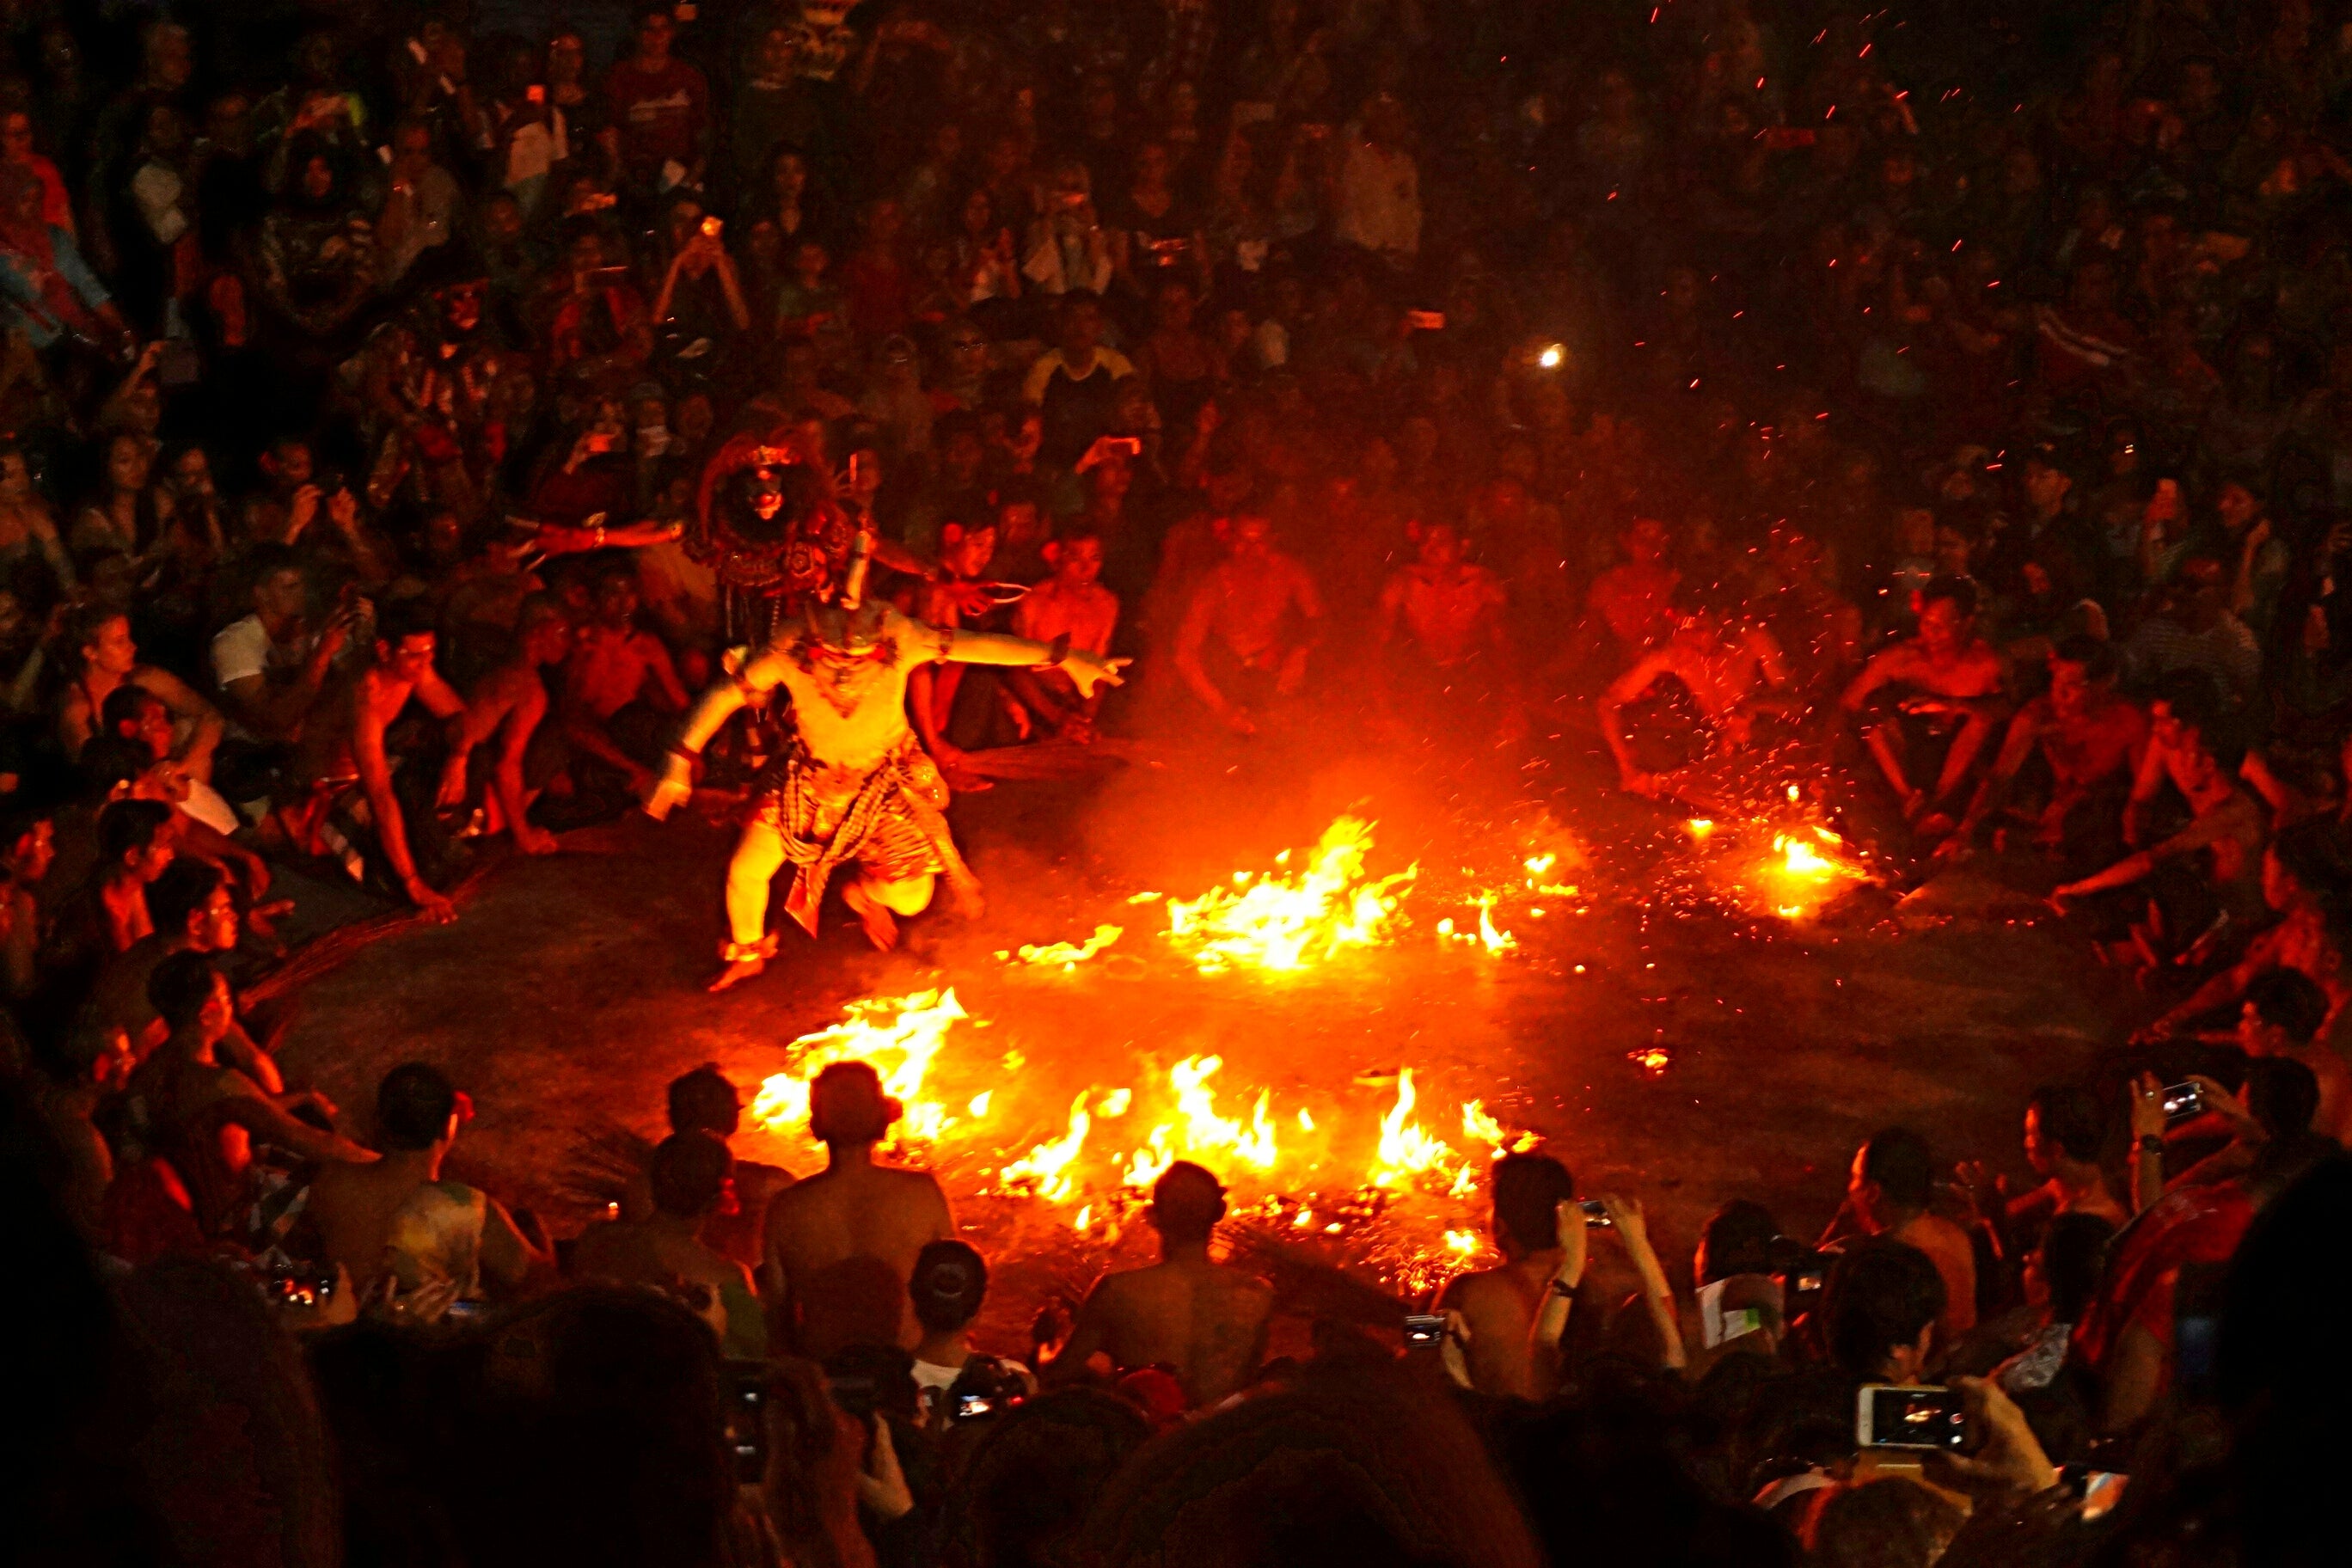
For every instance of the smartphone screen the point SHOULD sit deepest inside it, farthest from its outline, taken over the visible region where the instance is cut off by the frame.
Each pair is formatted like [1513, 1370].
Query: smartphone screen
[1423, 1328]
[2183, 1101]
[1890, 1416]
[1596, 1215]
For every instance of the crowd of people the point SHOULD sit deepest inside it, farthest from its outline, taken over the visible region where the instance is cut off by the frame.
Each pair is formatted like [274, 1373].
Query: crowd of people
[406, 408]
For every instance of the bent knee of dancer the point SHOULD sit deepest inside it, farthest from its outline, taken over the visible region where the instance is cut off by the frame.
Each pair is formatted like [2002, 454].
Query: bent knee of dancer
[902, 895]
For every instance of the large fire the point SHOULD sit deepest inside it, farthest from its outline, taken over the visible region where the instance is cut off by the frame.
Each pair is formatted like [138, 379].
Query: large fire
[1282, 922]
[1365, 1168]
[1329, 1171]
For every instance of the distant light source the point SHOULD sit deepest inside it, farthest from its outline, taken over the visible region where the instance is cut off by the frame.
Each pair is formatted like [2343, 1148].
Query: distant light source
[1551, 357]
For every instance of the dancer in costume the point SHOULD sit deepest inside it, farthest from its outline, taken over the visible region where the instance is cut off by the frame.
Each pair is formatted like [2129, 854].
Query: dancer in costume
[853, 786]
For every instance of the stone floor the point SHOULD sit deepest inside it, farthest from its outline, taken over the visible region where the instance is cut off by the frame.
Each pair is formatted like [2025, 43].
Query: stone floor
[570, 990]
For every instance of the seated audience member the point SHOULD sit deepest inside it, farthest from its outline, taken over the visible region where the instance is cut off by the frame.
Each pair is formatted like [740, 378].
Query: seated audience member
[2125, 1341]
[2284, 1016]
[192, 912]
[1249, 628]
[1206, 1319]
[2193, 629]
[2061, 1273]
[2064, 1132]
[1880, 1306]
[100, 635]
[135, 714]
[107, 914]
[272, 664]
[1498, 1306]
[206, 1116]
[343, 761]
[692, 1179]
[842, 1244]
[1891, 1192]
[114, 768]
[621, 692]
[1945, 687]
[704, 1101]
[2091, 741]
[1071, 602]
[949, 1286]
[71, 1078]
[396, 1215]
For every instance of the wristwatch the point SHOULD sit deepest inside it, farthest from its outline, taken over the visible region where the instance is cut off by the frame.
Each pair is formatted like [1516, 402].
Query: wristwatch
[2151, 1143]
[1564, 1288]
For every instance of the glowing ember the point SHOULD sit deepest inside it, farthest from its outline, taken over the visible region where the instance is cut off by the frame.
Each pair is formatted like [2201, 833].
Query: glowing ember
[899, 1037]
[1068, 955]
[1494, 941]
[1283, 923]
[1654, 1061]
[1701, 828]
[1808, 869]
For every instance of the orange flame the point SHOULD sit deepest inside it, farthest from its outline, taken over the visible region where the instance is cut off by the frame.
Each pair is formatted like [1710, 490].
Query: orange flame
[898, 1036]
[1282, 924]
[1070, 955]
[1046, 1170]
[1406, 1149]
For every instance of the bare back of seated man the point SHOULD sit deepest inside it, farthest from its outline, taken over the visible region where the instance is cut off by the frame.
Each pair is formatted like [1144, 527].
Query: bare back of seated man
[417, 1115]
[1500, 1305]
[842, 1244]
[1206, 1320]
[691, 1177]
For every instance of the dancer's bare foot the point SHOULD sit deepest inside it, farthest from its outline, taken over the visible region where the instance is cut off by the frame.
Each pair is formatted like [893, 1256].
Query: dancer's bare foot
[737, 971]
[881, 926]
[743, 963]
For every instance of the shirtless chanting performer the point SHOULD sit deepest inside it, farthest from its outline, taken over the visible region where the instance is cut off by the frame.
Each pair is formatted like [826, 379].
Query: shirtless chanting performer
[1946, 682]
[1734, 674]
[854, 785]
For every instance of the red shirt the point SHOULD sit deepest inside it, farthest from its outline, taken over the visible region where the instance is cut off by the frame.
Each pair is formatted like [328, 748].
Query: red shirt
[662, 112]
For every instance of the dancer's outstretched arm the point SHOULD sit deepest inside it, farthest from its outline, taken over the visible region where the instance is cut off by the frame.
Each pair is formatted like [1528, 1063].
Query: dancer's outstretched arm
[1085, 668]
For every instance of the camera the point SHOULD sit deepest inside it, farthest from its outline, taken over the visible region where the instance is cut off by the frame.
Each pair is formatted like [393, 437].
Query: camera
[289, 1287]
[1898, 1416]
[1596, 1215]
[2183, 1101]
[1424, 1329]
[747, 1418]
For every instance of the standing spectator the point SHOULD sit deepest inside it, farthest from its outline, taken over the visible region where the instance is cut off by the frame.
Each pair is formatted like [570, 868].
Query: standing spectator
[661, 106]
[1379, 204]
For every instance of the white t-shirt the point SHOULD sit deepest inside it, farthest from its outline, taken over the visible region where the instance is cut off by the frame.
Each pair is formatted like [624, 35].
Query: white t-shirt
[240, 651]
